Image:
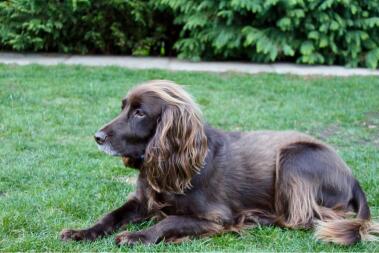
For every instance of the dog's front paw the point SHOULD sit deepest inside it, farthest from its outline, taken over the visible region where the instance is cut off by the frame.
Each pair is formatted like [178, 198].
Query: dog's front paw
[76, 235]
[130, 239]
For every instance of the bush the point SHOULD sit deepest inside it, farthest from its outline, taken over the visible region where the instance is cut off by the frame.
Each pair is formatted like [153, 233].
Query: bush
[306, 31]
[84, 26]
[344, 32]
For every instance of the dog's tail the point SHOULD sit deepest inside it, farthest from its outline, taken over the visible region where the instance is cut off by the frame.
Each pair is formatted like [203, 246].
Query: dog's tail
[350, 231]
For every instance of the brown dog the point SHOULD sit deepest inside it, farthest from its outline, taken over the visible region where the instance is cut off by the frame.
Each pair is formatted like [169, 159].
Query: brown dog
[202, 181]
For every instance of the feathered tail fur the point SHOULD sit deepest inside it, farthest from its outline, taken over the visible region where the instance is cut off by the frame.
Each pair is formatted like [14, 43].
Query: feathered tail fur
[350, 231]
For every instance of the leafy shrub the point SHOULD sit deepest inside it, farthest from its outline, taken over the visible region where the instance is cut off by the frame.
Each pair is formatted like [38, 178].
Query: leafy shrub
[344, 32]
[306, 31]
[84, 26]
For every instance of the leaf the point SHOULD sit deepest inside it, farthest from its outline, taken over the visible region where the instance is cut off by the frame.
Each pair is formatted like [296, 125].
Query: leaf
[334, 25]
[251, 35]
[323, 42]
[313, 35]
[284, 23]
[288, 50]
[306, 47]
[372, 58]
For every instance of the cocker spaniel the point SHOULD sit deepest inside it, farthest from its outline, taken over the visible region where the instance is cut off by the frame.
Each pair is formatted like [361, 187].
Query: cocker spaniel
[200, 181]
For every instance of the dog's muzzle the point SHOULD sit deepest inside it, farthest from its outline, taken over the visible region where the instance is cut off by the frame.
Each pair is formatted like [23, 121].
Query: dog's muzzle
[104, 144]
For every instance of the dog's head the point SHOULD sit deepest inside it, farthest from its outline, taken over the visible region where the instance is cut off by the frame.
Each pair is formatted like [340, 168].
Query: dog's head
[159, 131]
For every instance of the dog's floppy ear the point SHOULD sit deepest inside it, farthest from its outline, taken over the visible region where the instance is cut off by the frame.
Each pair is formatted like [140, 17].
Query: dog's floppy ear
[178, 149]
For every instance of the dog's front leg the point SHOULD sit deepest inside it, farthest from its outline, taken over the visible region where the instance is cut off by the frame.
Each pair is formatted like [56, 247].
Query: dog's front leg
[132, 211]
[172, 228]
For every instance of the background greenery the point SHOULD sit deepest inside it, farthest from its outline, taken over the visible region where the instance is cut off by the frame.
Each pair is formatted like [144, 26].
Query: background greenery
[344, 32]
[52, 176]
[85, 26]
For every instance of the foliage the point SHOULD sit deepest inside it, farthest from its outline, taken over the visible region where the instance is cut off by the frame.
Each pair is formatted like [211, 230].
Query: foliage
[344, 32]
[306, 31]
[83, 26]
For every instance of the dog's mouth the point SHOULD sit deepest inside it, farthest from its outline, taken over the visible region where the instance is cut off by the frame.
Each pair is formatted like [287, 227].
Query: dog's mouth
[126, 160]
[129, 157]
[108, 149]
[131, 161]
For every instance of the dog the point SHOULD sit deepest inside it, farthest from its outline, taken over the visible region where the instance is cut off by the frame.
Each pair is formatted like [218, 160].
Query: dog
[199, 181]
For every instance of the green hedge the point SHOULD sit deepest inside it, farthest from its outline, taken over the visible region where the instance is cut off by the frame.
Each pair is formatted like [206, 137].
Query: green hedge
[306, 31]
[85, 26]
[344, 32]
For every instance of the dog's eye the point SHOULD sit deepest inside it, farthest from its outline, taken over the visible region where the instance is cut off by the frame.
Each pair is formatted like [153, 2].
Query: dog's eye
[139, 113]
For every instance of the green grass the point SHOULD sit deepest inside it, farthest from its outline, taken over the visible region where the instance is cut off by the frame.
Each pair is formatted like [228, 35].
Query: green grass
[52, 175]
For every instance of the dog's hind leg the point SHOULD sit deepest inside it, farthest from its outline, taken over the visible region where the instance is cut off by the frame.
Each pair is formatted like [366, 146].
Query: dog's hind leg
[315, 188]
[310, 180]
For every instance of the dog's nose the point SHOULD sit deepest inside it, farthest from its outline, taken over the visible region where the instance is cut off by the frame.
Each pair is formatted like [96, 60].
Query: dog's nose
[100, 137]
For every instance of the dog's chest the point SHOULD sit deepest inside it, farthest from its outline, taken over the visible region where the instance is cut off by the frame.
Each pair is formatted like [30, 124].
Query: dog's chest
[192, 203]
[175, 204]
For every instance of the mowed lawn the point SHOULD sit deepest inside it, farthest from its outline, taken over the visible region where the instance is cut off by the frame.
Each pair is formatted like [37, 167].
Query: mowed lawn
[52, 176]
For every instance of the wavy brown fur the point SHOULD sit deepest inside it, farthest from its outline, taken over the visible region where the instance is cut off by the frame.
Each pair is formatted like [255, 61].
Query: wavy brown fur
[346, 231]
[178, 149]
